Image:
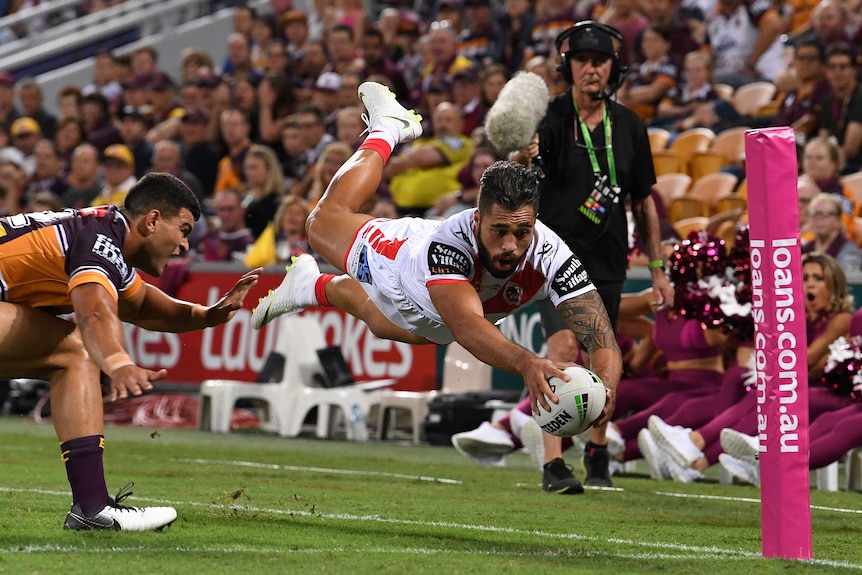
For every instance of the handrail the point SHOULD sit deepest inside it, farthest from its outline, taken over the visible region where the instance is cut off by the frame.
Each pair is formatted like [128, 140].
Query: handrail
[33, 12]
[84, 30]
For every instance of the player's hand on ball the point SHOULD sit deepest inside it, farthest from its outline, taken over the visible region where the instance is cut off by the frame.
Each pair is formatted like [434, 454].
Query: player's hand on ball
[582, 403]
[536, 377]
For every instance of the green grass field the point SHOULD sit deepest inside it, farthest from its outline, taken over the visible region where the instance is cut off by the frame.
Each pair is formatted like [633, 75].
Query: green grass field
[261, 504]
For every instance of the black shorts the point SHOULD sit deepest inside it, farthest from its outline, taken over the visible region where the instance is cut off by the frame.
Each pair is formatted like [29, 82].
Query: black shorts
[552, 321]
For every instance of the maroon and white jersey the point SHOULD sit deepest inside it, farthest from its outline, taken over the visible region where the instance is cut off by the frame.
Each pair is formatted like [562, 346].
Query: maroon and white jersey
[396, 260]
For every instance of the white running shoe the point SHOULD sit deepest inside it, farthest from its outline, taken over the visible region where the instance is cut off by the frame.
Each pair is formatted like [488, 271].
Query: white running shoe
[655, 457]
[675, 441]
[616, 443]
[382, 105]
[485, 444]
[740, 445]
[295, 293]
[682, 474]
[741, 470]
[534, 442]
[121, 517]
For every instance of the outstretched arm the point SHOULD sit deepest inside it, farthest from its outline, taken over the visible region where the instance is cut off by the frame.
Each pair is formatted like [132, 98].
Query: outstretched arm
[586, 316]
[153, 309]
[461, 310]
[102, 331]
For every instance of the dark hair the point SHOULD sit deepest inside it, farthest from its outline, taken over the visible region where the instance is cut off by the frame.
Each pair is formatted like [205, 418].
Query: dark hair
[810, 40]
[71, 90]
[372, 32]
[314, 110]
[148, 50]
[163, 192]
[99, 99]
[343, 28]
[508, 185]
[841, 49]
[662, 31]
[52, 145]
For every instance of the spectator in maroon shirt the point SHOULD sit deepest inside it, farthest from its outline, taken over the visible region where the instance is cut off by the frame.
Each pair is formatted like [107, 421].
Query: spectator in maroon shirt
[376, 62]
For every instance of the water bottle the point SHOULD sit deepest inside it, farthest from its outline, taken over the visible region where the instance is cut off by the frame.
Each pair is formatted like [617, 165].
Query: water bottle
[358, 430]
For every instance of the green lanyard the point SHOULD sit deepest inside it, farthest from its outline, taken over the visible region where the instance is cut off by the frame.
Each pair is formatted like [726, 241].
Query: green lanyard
[591, 151]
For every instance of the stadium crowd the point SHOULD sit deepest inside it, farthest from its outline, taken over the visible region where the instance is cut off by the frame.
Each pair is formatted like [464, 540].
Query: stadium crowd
[273, 121]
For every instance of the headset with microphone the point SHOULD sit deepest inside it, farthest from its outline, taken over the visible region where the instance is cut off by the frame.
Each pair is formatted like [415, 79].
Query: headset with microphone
[581, 37]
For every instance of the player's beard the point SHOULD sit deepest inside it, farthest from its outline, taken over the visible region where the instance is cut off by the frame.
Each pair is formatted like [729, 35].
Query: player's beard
[489, 263]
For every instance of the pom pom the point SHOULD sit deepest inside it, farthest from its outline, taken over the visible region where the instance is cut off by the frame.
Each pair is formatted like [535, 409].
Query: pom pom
[712, 286]
[843, 371]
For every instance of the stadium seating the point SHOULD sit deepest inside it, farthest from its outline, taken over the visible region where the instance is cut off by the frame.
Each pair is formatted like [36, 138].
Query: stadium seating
[658, 138]
[724, 91]
[693, 224]
[711, 189]
[727, 148]
[750, 99]
[672, 186]
[684, 146]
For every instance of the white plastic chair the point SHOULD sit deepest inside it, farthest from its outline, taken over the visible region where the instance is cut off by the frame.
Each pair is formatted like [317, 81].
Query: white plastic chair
[461, 372]
[289, 400]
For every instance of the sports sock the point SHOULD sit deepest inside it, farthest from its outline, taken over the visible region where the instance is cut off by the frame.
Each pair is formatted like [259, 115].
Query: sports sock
[83, 459]
[320, 288]
[517, 419]
[381, 141]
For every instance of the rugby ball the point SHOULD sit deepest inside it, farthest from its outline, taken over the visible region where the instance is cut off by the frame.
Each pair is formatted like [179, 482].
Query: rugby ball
[582, 400]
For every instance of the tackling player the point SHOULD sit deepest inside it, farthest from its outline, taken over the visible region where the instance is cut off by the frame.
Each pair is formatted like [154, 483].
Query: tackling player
[84, 261]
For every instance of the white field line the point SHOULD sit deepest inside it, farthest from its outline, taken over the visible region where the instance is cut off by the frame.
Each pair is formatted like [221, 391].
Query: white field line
[750, 500]
[689, 551]
[321, 470]
[50, 548]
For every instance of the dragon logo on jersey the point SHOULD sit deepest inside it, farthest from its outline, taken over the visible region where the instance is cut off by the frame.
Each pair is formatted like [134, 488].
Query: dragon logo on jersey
[570, 277]
[513, 294]
[363, 270]
[107, 249]
[444, 259]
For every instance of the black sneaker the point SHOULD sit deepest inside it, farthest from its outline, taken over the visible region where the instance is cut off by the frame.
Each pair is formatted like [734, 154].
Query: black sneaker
[557, 478]
[597, 462]
[121, 517]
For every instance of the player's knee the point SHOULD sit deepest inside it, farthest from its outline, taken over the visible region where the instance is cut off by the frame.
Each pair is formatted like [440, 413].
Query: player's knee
[72, 352]
[312, 227]
[380, 329]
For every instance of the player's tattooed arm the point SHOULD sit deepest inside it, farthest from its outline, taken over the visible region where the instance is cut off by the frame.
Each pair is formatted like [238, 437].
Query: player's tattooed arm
[586, 316]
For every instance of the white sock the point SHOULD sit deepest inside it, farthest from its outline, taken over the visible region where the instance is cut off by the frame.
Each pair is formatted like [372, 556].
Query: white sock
[517, 418]
[386, 130]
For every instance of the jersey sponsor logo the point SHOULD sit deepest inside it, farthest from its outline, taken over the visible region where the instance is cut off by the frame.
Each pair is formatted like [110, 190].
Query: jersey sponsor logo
[444, 259]
[570, 277]
[107, 249]
[363, 270]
